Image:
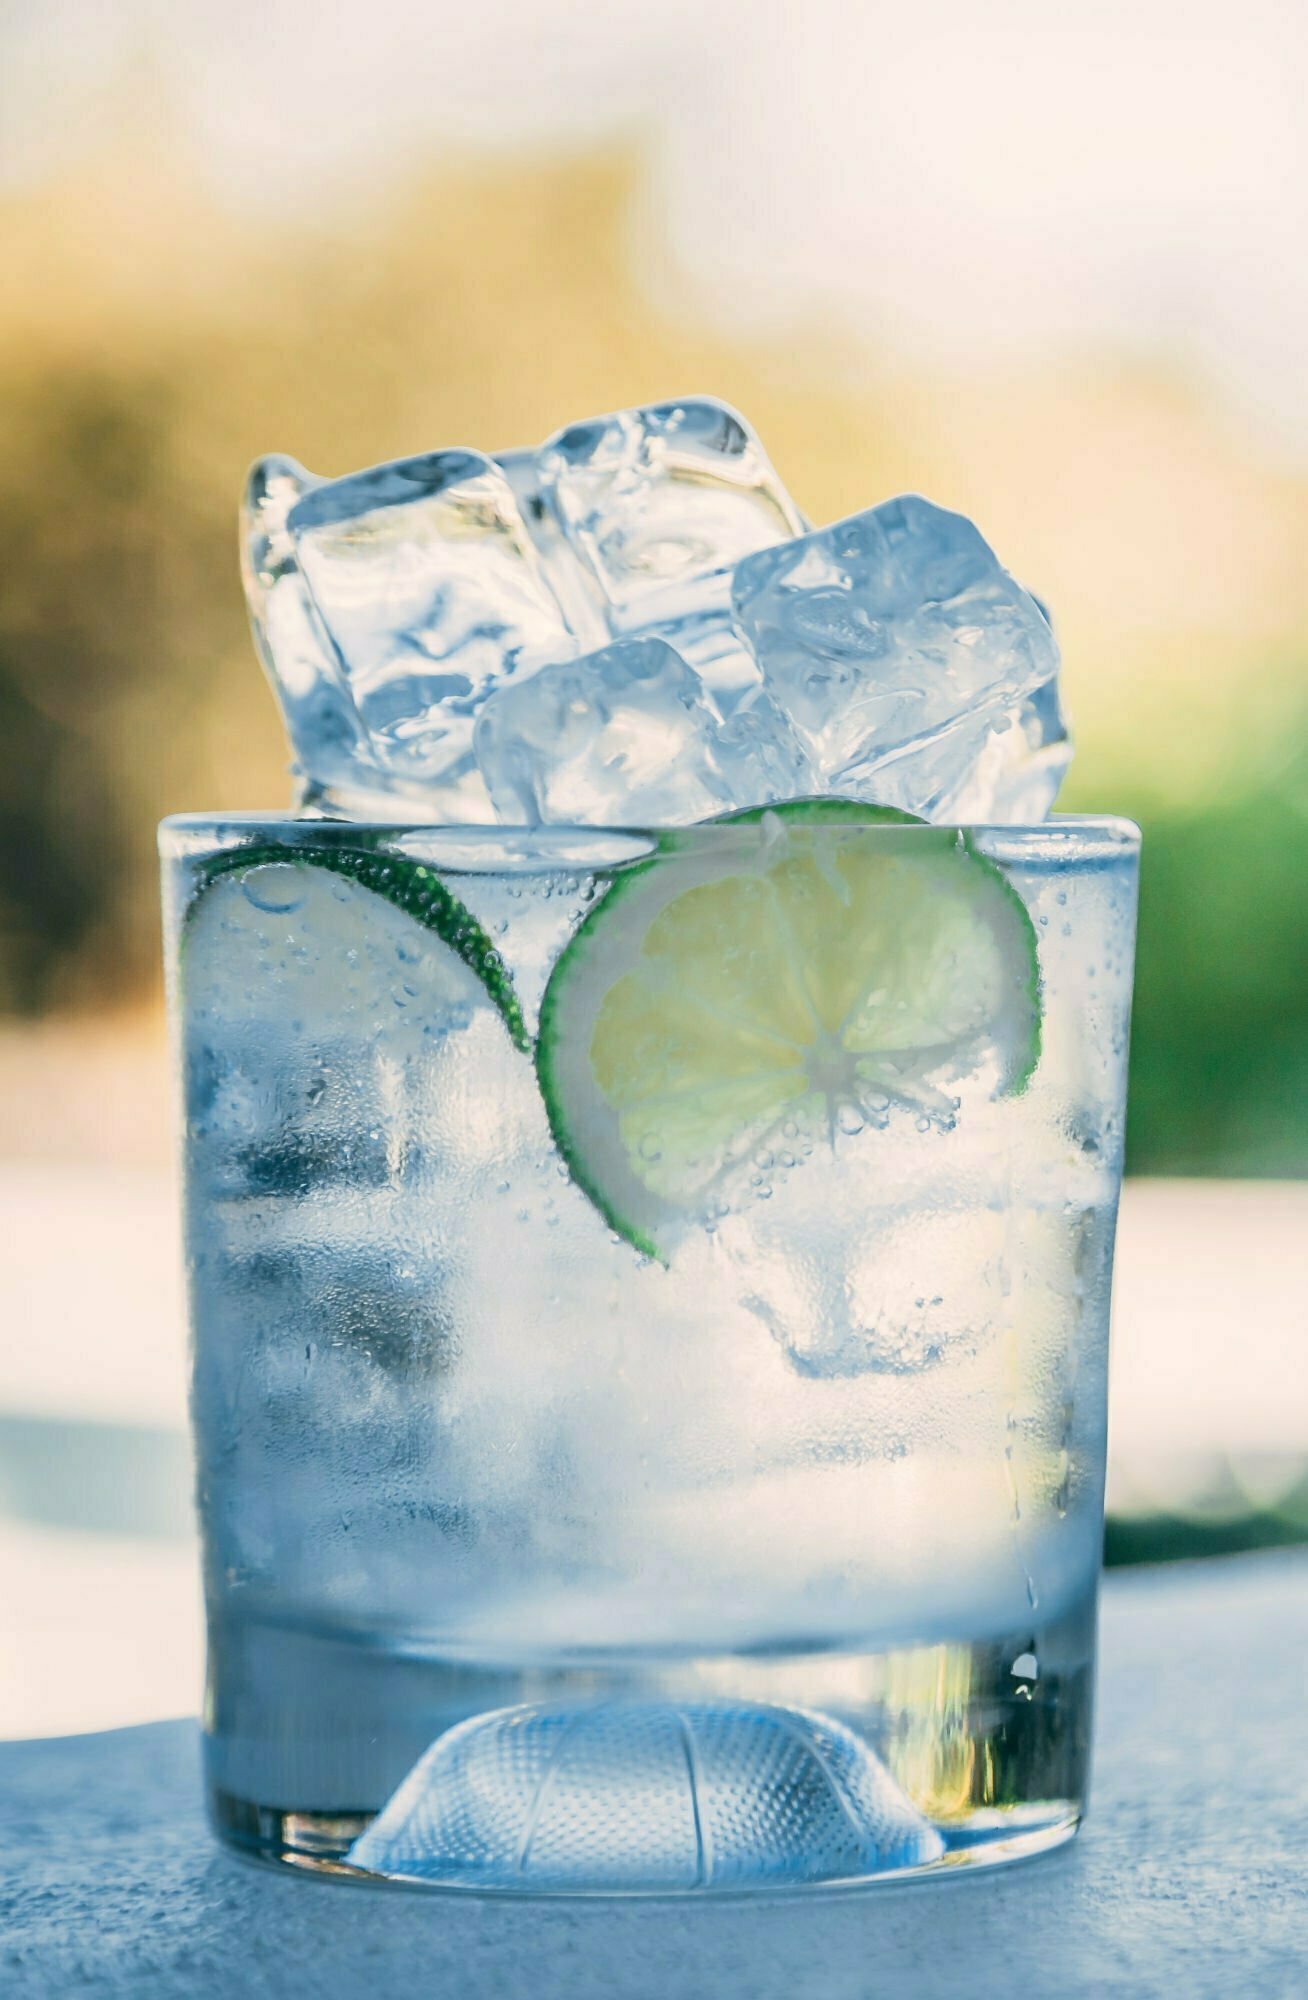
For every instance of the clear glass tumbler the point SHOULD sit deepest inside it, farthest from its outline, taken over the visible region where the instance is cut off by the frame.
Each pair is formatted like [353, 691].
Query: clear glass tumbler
[650, 1305]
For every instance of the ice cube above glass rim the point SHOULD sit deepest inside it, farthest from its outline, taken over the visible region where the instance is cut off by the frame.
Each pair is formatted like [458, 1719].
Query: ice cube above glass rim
[633, 625]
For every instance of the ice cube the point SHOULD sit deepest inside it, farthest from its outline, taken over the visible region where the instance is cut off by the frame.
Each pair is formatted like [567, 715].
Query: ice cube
[426, 582]
[890, 657]
[325, 728]
[760, 756]
[1019, 766]
[389, 606]
[627, 737]
[623, 737]
[914, 667]
[657, 505]
[571, 581]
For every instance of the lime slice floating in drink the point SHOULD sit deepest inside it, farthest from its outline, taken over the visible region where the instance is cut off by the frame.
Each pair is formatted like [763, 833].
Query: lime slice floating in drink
[779, 966]
[409, 885]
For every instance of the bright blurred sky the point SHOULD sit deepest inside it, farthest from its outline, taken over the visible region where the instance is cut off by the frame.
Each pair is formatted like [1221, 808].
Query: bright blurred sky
[957, 181]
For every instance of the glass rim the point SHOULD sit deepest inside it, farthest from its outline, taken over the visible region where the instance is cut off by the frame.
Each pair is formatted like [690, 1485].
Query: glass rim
[1064, 839]
[246, 817]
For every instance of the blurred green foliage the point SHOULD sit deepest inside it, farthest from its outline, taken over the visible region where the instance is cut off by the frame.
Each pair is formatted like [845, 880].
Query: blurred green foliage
[1177, 1537]
[1219, 1077]
[485, 306]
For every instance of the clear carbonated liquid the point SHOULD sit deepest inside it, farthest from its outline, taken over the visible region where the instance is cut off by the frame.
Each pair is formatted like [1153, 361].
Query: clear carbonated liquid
[773, 1566]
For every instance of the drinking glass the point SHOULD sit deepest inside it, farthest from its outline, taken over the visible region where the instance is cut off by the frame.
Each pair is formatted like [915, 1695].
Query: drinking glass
[581, 1519]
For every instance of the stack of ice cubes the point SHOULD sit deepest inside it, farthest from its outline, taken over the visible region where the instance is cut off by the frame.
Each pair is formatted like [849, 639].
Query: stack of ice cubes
[634, 626]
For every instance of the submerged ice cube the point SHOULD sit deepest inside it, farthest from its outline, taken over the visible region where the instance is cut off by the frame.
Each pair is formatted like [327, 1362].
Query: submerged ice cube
[841, 1302]
[918, 672]
[622, 737]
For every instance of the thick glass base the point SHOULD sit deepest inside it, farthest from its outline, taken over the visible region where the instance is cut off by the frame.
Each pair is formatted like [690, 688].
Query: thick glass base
[315, 1842]
[651, 1776]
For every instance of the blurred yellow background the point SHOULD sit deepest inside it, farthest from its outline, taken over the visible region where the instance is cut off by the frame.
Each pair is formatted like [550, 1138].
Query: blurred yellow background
[1046, 267]
[165, 318]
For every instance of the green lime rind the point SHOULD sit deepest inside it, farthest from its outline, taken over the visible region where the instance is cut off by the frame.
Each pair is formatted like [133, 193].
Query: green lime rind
[410, 886]
[822, 810]
[1027, 1048]
[610, 1183]
[573, 1156]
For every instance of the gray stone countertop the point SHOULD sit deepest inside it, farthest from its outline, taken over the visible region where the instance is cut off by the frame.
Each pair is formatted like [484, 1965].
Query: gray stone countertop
[1190, 1878]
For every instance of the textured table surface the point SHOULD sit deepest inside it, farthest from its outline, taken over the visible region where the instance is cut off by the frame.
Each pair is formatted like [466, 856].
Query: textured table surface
[1191, 1877]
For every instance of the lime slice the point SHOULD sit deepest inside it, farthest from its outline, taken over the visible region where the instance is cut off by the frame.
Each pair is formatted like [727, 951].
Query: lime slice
[410, 885]
[779, 966]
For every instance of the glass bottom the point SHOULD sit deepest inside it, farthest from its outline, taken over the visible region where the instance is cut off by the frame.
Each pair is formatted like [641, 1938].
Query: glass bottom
[314, 1843]
[691, 1776]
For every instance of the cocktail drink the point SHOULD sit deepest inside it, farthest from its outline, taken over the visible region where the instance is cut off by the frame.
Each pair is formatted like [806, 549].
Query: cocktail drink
[650, 1213]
